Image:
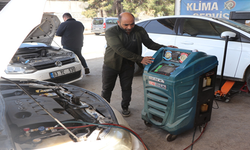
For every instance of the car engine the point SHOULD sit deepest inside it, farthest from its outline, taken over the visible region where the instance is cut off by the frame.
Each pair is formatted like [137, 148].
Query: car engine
[42, 57]
[30, 124]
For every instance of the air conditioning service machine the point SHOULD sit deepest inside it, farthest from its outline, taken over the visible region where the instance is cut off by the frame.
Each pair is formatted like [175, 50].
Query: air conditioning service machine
[179, 90]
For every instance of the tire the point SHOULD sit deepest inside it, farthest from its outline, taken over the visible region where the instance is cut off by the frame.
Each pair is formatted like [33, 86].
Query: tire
[248, 80]
[97, 33]
[138, 70]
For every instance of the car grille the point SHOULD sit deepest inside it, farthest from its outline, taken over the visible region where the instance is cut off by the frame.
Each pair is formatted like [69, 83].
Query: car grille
[51, 65]
[66, 78]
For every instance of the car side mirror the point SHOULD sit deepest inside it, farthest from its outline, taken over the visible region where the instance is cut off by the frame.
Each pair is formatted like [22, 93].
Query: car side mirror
[231, 35]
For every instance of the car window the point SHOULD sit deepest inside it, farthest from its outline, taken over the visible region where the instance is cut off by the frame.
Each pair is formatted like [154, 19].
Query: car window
[234, 24]
[98, 21]
[141, 23]
[244, 39]
[111, 21]
[202, 28]
[161, 26]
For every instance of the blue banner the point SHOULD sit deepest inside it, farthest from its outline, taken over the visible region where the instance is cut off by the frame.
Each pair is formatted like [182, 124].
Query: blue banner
[213, 8]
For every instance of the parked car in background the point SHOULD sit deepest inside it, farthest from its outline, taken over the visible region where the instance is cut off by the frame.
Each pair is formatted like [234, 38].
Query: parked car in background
[37, 59]
[204, 34]
[45, 115]
[100, 25]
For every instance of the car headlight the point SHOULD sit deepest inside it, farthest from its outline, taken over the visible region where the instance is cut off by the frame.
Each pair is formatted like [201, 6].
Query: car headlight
[76, 58]
[118, 139]
[19, 69]
[72, 54]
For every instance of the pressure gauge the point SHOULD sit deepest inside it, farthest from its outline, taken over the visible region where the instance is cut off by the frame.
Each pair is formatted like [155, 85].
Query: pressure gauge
[168, 55]
[183, 57]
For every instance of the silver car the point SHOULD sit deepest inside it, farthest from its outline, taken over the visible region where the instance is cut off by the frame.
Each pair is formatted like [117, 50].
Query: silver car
[100, 25]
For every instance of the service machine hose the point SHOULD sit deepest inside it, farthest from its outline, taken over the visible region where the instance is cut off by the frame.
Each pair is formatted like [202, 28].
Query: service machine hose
[196, 139]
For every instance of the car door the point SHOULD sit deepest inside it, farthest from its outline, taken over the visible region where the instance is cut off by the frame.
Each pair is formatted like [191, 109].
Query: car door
[161, 31]
[244, 62]
[204, 35]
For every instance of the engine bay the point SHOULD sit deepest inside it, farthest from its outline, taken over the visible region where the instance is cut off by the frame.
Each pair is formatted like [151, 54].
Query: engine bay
[37, 56]
[30, 124]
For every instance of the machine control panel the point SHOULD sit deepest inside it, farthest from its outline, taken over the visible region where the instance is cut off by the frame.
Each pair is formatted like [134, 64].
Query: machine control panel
[171, 61]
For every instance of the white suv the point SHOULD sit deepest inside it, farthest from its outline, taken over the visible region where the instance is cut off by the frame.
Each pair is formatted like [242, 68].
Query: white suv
[203, 34]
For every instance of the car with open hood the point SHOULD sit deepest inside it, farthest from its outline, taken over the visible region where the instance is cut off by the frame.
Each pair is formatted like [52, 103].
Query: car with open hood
[37, 59]
[45, 115]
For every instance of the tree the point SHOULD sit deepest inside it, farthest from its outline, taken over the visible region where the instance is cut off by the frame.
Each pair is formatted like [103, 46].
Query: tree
[114, 7]
[99, 6]
[158, 7]
[132, 6]
[150, 7]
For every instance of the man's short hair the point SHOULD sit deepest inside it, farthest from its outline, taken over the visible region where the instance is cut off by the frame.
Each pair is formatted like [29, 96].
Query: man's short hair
[67, 15]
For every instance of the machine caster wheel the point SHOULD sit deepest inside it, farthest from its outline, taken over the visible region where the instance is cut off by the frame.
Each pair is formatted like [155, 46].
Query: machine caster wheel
[227, 100]
[171, 137]
[147, 124]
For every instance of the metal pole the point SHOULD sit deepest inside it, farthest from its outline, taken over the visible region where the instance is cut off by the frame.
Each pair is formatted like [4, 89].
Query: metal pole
[223, 64]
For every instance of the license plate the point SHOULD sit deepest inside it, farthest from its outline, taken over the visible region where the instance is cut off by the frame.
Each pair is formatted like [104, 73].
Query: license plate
[97, 28]
[62, 72]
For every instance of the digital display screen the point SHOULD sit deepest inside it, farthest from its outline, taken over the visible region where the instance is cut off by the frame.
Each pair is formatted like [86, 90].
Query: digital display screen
[165, 69]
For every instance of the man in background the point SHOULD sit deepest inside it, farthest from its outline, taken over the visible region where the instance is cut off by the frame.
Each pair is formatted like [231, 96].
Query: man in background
[71, 32]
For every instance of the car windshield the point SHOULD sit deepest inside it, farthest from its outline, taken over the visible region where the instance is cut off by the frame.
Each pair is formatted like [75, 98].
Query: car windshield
[98, 21]
[111, 21]
[235, 24]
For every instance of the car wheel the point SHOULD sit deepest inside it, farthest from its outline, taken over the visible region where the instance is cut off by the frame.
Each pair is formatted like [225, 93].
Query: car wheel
[248, 81]
[138, 70]
[97, 33]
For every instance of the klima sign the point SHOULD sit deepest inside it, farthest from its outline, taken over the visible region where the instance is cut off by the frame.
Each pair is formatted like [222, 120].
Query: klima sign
[213, 8]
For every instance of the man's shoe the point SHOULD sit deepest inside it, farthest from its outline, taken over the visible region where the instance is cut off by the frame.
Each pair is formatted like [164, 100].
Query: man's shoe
[125, 113]
[87, 71]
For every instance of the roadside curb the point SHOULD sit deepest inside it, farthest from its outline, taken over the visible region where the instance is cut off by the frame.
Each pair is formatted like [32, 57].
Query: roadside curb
[88, 33]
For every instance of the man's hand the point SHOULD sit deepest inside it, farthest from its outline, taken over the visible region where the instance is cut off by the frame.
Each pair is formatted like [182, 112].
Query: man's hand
[172, 46]
[147, 60]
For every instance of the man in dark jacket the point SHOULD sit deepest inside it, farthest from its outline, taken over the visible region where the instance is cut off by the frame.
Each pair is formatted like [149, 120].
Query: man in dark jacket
[71, 32]
[124, 48]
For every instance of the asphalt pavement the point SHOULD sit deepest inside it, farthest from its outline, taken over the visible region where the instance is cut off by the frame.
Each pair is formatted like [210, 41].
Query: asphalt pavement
[227, 130]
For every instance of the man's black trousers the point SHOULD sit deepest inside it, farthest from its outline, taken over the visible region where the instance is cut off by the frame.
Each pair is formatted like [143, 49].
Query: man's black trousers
[78, 52]
[109, 77]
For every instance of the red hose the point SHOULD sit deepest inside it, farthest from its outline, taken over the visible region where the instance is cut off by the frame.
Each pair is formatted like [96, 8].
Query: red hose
[197, 138]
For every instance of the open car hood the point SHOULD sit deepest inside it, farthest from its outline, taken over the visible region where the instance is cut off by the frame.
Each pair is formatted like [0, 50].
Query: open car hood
[45, 31]
[19, 24]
